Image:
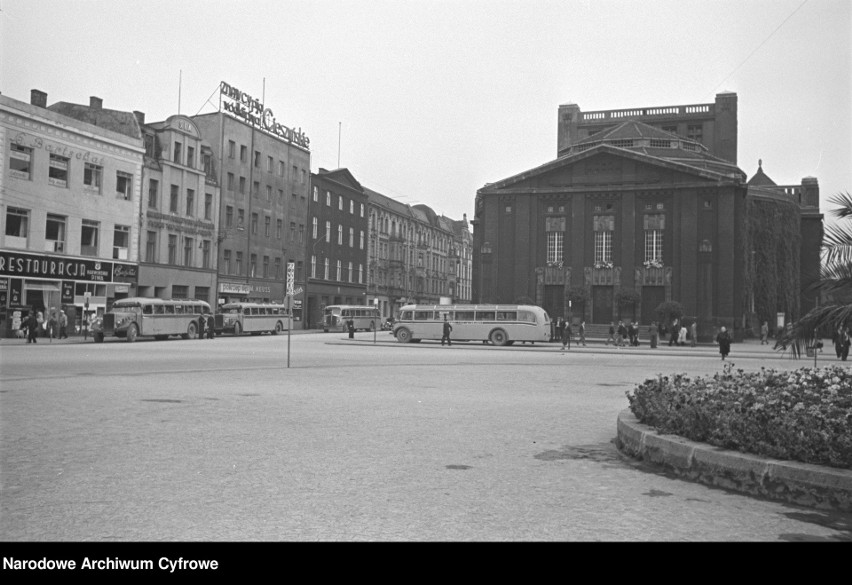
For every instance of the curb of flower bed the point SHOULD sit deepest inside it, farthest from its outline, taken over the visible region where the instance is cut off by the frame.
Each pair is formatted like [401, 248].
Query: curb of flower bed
[789, 481]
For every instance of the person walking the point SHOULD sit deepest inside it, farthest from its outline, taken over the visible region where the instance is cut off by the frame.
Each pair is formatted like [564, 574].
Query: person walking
[566, 338]
[724, 341]
[621, 334]
[845, 340]
[681, 339]
[446, 334]
[693, 332]
[63, 325]
[350, 325]
[674, 333]
[560, 330]
[211, 332]
[652, 334]
[31, 325]
[611, 334]
[764, 333]
[582, 333]
[202, 320]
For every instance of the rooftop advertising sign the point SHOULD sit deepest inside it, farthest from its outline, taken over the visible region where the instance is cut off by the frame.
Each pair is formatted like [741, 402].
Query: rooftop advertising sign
[241, 105]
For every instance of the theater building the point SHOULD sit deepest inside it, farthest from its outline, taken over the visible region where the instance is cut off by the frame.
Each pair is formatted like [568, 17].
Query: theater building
[263, 173]
[69, 203]
[643, 206]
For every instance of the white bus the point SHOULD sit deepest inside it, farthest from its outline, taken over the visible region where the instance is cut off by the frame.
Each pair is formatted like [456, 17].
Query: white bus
[133, 317]
[335, 317]
[498, 324]
[254, 318]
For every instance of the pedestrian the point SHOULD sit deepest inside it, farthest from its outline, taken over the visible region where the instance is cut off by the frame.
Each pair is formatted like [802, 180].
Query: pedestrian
[681, 339]
[202, 320]
[635, 334]
[566, 339]
[764, 333]
[693, 332]
[350, 324]
[621, 334]
[652, 334]
[724, 341]
[31, 325]
[41, 324]
[836, 336]
[446, 333]
[63, 325]
[674, 333]
[846, 340]
[611, 334]
[52, 323]
[560, 330]
[211, 333]
[581, 330]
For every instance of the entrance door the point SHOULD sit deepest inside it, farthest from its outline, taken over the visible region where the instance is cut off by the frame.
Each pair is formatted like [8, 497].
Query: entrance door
[602, 304]
[652, 297]
[554, 300]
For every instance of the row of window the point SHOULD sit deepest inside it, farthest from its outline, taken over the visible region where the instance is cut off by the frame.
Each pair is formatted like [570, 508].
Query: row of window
[340, 201]
[21, 166]
[232, 265]
[327, 234]
[56, 229]
[232, 186]
[603, 246]
[298, 174]
[344, 273]
[255, 219]
[174, 200]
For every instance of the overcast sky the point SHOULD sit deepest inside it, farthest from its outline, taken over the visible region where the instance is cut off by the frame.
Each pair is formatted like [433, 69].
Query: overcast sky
[429, 100]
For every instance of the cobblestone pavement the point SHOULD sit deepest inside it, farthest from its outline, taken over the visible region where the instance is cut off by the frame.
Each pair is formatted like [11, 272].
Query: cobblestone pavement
[355, 441]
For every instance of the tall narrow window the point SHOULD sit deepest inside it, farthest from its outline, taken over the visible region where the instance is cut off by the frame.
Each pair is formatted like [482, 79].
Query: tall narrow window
[313, 266]
[314, 228]
[151, 246]
[292, 231]
[351, 237]
[89, 238]
[153, 193]
[328, 231]
[338, 271]
[20, 161]
[349, 273]
[205, 253]
[121, 242]
[604, 225]
[253, 265]
[325, 269]
[208, 206]
[226, 259]
[266, 267]
[238, 264]
[188, 244]
[555, 230]
[339, 236]
[58, 171]
[190, 157]
[278, 273]
[174, 196]
[93, 177]
[654, 227]
[173, 252]
[177, 153]
[229, 216]
[232, 146]
[301, 233]
[190, 202]
[254, 223]
[267, 225]
[123, 185]
[279, 228]
[54, 233]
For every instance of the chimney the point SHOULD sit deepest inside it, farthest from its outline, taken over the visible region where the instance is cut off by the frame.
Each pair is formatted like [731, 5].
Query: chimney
[38, 98]
[96, 103]
[140, 117]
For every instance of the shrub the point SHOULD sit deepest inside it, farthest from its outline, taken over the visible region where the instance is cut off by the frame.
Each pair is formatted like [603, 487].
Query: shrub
[803, 415]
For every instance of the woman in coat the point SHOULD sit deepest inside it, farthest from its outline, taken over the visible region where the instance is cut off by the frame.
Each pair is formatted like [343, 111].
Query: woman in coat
[724, 341]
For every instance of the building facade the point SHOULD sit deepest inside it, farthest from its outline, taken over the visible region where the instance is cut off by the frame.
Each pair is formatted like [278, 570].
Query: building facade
[337, 255]
[70, 197]
[641, 207]
[177, 239]
[263, 175]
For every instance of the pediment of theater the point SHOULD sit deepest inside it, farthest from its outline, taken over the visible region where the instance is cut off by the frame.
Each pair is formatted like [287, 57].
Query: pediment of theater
[609, 168]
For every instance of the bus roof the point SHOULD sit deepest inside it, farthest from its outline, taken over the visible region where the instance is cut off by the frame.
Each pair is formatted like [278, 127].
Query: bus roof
[158, 301]
[482, 307]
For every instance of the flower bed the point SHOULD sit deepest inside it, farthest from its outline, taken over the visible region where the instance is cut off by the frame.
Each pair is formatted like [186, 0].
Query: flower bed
[802, 415]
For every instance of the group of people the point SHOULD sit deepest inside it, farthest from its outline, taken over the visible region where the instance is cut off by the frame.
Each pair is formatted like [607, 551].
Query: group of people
[206, 327]
[622, 334]
[626, 334]
[35, 325]
[565, 332]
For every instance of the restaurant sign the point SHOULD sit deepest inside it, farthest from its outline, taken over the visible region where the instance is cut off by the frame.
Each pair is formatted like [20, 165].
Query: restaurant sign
[43, 266]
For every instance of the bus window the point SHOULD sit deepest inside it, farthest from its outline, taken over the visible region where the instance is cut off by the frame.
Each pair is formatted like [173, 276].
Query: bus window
[159, 309]
[405, 316]
[507, 315]
[170, 309]
[464, 316]
[147, 309]
[423, 315]
[485, 316]
[528, 316]
[445, 315]
[179, 309]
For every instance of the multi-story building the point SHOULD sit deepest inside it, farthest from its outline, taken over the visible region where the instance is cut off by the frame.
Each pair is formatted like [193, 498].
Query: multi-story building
[412, 255]
[70, 196]
[337, 251]
[461, 262]
[263, 175]
[644, 206]
[177, 256]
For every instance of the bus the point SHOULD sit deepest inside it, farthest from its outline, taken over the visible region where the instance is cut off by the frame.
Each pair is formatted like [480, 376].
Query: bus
[497, 324]
[136, 317]
[254, 318]
[335, 317]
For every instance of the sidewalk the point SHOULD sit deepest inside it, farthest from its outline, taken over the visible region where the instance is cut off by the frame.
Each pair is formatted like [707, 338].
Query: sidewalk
[74, 339]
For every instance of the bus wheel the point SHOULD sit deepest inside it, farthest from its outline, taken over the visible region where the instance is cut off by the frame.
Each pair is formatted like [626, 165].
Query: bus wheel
[99, 337]
[278, 328]
[498, 337]
[132, 333]
[190, 332]
[237, 329]
[403, 335]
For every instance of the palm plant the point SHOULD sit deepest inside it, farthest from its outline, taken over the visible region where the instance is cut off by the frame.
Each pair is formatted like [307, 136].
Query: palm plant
[834, 282]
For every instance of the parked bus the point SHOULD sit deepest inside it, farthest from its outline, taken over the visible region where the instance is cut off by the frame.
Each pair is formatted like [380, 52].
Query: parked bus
[150, 317]
[498, 324]
[335, 317]
[254, 318]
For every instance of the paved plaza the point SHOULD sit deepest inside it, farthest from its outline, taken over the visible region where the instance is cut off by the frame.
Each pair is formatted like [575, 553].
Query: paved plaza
[197, 440]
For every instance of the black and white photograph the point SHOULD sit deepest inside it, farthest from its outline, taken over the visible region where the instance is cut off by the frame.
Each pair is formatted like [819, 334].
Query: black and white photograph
[469, 271]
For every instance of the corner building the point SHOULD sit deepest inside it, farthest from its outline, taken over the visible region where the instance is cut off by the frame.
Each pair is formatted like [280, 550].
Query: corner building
[640, 206]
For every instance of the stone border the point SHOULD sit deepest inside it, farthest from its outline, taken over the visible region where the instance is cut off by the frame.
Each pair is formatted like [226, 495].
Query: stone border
[789, 481]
